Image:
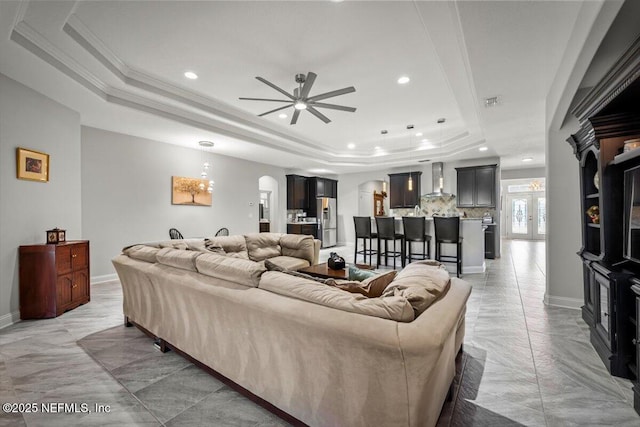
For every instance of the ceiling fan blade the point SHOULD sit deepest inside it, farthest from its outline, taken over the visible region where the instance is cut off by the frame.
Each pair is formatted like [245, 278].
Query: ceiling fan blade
[282, 91]
[318, 114]
[273, 111]
[332, 106]
[332, 93]
[311, 78]
[265, 99]
[294, 119]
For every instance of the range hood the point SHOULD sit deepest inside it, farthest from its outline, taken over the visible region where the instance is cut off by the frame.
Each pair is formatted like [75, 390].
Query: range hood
[437, 181]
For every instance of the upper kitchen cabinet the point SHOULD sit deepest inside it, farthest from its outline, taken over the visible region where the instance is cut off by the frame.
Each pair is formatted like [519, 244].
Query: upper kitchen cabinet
[323, 187]
[401, 193]
[297, 192]
[477, 187]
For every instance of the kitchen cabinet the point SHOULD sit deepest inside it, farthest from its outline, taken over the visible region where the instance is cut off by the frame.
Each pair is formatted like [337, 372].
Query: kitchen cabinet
[476, 187]
[54, 278]
[322, 187]
[302, 228]
[297, 197]
[490, 241]
[400, 196]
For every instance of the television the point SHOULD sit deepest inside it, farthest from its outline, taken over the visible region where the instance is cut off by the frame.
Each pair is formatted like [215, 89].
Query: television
[632, 214]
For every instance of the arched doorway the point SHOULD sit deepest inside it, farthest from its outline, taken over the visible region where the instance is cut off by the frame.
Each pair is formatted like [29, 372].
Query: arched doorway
[269, 202]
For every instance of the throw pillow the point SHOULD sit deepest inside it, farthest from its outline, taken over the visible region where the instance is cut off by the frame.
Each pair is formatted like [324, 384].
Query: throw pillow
[359, 275]
[373, 287]
[212, 247]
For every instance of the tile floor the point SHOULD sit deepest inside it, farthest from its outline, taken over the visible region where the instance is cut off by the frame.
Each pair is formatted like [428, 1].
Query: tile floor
[523, 364]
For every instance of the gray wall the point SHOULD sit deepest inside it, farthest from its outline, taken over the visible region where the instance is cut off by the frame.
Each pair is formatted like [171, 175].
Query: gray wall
[564, 269]
[126, 194]
[523, 173]
[27, 208]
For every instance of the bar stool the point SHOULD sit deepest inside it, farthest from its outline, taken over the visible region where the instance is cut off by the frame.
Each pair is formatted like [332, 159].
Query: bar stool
[415, 230]
[386, 226]
[447, 230]
[363, 231]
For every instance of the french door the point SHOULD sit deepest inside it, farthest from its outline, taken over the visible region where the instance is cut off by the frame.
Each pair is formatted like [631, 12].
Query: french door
[526, 216]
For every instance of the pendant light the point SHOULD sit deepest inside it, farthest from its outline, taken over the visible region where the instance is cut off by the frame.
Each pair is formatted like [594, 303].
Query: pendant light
[204, 151]
[410, 180]
[384, 133]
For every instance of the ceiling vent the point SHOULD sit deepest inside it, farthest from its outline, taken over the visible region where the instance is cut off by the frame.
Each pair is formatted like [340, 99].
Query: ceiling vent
[491, 102]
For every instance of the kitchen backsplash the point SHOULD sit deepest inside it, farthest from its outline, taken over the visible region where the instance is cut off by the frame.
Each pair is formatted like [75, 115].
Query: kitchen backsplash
[445, 205]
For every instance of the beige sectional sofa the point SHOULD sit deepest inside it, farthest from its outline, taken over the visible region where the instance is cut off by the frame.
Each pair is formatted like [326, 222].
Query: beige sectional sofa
[325, 356]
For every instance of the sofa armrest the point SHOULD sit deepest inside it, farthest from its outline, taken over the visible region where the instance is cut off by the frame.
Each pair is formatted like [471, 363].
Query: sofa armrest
[316, 251]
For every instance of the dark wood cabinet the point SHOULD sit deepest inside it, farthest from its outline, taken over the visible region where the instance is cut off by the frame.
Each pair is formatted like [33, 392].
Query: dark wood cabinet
[297, 192]
[322, 187]
[301, 228]
[609, 115]
[401, 194]
[265, 227]
[53, 278]
[476, 187]
[490, 241]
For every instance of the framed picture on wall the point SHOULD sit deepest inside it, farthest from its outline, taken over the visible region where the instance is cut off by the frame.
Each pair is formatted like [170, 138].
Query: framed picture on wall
[32, 165]
[190, 191]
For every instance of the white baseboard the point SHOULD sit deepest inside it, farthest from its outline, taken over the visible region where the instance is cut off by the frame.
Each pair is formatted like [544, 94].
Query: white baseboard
[104, 279]
[564, 302]
[9, 319]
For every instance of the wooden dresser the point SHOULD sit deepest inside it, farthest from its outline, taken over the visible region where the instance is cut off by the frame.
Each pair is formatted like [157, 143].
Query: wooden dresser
[53, 278]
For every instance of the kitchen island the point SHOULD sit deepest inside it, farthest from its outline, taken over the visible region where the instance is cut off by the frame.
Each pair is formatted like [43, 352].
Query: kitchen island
[472, 232]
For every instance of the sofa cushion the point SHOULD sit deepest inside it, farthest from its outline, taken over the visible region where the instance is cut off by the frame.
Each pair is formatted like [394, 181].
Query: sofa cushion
[213, 247]
[421, 283]
[234, 246]
[142, 252]
[261, 246]
[178, 258]
[298, 246]
[392, 307]
[373, 287]
[287, 263]
[174, 244]
[237, 270]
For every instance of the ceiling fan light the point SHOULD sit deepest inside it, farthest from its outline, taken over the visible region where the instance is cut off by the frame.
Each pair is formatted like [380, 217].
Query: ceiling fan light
[299, 105]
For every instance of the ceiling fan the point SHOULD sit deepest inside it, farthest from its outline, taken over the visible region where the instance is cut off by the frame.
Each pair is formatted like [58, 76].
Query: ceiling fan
[300, 99]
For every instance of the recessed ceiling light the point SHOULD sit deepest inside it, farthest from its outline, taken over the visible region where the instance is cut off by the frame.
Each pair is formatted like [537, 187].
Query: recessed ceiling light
[425, 140]
[419, 134]
[191, 75]
[351, 146]
[403, 80]
[527, 159]
[282, 116]
[377, 147]
[483, 148]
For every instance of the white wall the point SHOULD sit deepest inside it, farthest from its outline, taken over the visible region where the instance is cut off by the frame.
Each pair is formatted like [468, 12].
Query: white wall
[126, 194]
[27, 208]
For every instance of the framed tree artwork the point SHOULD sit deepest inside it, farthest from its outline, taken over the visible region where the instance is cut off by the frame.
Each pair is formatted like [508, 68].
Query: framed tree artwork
[190, 191]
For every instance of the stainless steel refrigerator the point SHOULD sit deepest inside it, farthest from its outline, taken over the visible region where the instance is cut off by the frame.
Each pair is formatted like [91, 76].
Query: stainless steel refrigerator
[327, 220]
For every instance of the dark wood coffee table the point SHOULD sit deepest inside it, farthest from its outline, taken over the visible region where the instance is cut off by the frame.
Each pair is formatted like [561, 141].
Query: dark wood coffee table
[323, 271]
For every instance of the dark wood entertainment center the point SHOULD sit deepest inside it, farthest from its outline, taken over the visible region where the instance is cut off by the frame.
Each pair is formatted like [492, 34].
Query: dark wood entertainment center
[610, 115]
